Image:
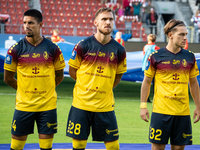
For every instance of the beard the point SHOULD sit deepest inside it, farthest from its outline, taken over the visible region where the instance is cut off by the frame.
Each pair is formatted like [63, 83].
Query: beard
[105, 33]
[29, 35]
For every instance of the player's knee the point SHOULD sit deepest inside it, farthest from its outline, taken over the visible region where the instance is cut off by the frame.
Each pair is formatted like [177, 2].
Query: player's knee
[46, 144]
[79, 144]
[17, 144]
[114, 145]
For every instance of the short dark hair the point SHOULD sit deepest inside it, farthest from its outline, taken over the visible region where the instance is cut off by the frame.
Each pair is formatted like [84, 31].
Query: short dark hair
[104, 9]
[171, 25]
[34, 13]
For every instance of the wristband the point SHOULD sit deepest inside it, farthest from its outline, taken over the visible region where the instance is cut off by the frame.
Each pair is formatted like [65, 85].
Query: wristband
[143, 105]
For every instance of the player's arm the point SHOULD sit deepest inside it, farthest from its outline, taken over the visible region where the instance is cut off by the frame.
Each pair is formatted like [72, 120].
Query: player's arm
[59, 76]
[117, 80]
[72, 72]
[145, 90]
[194, 90]
[10, 79]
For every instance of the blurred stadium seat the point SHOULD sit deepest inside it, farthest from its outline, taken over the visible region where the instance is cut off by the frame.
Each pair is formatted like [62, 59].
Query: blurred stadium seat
[73, 14]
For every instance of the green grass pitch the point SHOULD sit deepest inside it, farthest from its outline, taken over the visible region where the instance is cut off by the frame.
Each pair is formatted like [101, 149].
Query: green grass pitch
[127, 95]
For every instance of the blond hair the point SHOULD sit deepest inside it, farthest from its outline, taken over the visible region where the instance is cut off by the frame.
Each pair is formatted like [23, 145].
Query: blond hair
[151, 37]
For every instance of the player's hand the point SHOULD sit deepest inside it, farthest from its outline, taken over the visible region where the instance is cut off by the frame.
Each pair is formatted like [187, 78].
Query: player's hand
[144, 114]
[196, 115]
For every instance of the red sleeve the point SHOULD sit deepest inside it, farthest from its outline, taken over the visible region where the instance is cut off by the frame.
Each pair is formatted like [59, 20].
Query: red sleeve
[157, 48]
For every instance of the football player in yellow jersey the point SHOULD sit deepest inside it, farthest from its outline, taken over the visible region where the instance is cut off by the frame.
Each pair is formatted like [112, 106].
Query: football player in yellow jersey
[97, 64]
[173, 68]
[39, 65]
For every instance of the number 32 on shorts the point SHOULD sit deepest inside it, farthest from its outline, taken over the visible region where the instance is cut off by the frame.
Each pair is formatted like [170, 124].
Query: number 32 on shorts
[74, 128]
[155, 134]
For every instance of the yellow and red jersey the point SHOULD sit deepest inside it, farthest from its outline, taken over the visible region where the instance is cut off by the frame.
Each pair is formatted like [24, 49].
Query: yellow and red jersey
[172, 73]
[97, 66]
[35, 66]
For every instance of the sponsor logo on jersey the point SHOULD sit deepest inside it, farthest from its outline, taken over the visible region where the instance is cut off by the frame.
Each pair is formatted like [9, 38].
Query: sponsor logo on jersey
[166, 62]
[112, 56]
[184, 62]
[176, 75]
[73, 56]
[27, 55]
[35, 55]
[46, 55]
[92, 54]
[35, 70]
[100, 69]
[101, 54]
[62, 60]
[8, 59]
[147, 66]
[176, 62]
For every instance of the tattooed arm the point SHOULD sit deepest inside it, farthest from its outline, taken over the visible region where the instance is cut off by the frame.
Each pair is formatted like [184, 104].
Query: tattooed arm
[117, 79]
[10, 79]
[59, 76]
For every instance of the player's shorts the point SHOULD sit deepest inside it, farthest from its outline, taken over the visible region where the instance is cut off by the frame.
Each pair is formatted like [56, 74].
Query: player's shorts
[23, 122]
[104, 125]
[177, 128]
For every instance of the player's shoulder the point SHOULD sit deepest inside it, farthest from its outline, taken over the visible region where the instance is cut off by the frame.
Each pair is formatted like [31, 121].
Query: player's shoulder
[50, 44]
[188, 52]
[17, 45]
[84, 43]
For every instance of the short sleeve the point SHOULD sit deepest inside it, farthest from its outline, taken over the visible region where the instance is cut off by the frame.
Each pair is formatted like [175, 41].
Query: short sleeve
[75, 60]
[150, 69]
[122, 65]
[10, 62]
[194, 70]
[59, 61]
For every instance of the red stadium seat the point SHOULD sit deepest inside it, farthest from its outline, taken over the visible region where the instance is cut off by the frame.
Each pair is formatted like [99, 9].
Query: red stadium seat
[44, 32]
[15, 22]
[19, 11]
[79, 32]
[84, 1]
[68, 32]
[8, 30]
[4, 11]
[79, 7]
[18, 5]
[78, 1]
[16, 30]
[11, 5]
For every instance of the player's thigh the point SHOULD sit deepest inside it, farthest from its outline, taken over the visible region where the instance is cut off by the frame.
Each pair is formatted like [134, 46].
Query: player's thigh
[104, 127]
[181, 131]
[78, 124]
[47, 122]
[160, 128]
[23, 123]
